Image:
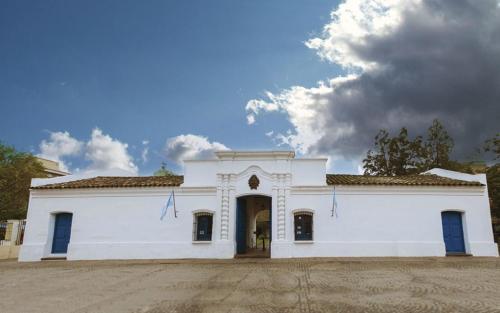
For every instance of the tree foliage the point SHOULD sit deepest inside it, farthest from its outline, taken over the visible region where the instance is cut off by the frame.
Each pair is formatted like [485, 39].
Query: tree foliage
[493, 145]
[163, 171]
[493, 179]
[401, 155]
[493, 174]
[438, 146]
[16, 171]
[394, 155]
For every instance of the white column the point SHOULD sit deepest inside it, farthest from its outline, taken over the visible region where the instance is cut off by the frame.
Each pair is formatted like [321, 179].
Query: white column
[281, 186]
[225, 193]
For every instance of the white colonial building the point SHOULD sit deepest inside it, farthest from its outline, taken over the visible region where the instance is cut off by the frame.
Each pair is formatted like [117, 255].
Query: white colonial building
[241, 202]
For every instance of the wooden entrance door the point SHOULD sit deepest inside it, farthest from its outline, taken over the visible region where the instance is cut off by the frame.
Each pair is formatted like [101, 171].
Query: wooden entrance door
[62, 232]
[453, 233]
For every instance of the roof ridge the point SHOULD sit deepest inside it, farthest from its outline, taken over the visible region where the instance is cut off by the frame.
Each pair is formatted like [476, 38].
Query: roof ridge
[117, 182]
[428, 179]
[331, 179]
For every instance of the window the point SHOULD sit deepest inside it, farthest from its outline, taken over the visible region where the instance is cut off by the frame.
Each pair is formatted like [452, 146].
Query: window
[303, 226]
[203, 226]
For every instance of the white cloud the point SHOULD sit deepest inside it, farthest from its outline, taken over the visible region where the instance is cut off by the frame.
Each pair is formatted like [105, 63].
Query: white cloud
[191, 146]
[144, 155]
[304, 107]
[307, 109]
[257, 105]
[410, 61]
[106, 153]
[360, 169]
[250, 119]
[354, 23]
[59, 145]
[145, 151]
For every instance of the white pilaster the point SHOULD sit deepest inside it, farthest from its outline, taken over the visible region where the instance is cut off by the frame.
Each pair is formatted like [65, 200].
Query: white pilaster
[281, 182]
[225, 196]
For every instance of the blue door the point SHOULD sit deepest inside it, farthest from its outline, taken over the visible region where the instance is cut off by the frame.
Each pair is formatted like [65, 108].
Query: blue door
[62, 232]
[241, 225]
[453, 232]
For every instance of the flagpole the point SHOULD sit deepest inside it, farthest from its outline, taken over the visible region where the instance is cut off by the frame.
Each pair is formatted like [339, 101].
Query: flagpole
[175, 210]
[334, 206]
[165, 208]
[333, 201]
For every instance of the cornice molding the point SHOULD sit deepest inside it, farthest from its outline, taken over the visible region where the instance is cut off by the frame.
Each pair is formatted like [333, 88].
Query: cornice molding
[390, 190]
[254, 170]
[232, 155]
[123, 192]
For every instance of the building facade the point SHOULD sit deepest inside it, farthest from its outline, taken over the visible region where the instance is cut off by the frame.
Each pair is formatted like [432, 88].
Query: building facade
[258, 203]
[51, 168]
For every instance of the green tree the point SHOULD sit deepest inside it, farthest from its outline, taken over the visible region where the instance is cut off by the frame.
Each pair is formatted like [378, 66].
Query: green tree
[377, 162]
[493, 179]
[439, 146]
[16, 171]
[401, 156]
[493, 174]
[163, 171]
[493, 145]
[394, 156]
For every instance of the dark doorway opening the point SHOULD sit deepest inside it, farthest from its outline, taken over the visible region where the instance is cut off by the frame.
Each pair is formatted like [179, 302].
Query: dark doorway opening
[253, 226]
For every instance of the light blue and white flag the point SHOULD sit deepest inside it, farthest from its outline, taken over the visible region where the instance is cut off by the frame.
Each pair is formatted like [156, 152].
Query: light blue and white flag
[170, 201]
[335, 204]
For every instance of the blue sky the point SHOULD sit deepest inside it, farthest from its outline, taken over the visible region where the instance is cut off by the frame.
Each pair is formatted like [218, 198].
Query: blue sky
[98, 85]
[152, 70]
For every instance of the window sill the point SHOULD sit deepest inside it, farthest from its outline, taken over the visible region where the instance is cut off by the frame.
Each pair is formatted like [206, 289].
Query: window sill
[201, 241]
[303, 241]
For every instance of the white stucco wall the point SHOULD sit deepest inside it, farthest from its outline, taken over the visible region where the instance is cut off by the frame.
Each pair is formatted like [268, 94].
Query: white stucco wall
[124, 223]
[389, 221]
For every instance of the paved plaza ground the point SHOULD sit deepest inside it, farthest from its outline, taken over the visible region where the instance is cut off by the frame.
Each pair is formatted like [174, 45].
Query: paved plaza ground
[253, 285]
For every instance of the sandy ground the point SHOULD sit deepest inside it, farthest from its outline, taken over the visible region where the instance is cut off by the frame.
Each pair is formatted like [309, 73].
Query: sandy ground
[259, 285]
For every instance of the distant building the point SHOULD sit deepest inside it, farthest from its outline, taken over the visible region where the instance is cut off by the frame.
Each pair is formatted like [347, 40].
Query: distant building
[51, 168]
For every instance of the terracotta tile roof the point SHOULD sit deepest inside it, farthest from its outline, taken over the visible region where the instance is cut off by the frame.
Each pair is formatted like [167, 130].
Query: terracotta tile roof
[331, 179]
[118, 182]
[411, 180]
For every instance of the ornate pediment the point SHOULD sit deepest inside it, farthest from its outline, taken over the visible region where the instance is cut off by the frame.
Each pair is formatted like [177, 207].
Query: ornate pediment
[253, 182]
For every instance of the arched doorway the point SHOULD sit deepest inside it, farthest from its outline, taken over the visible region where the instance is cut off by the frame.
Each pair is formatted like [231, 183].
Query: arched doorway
[253, 226]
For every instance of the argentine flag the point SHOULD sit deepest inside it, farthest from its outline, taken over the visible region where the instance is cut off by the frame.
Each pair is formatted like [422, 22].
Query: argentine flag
[335, 204]
[165, 208]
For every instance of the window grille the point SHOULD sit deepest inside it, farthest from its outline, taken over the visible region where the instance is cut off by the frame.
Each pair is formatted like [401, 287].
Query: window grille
[202, 226]
[303, 226]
